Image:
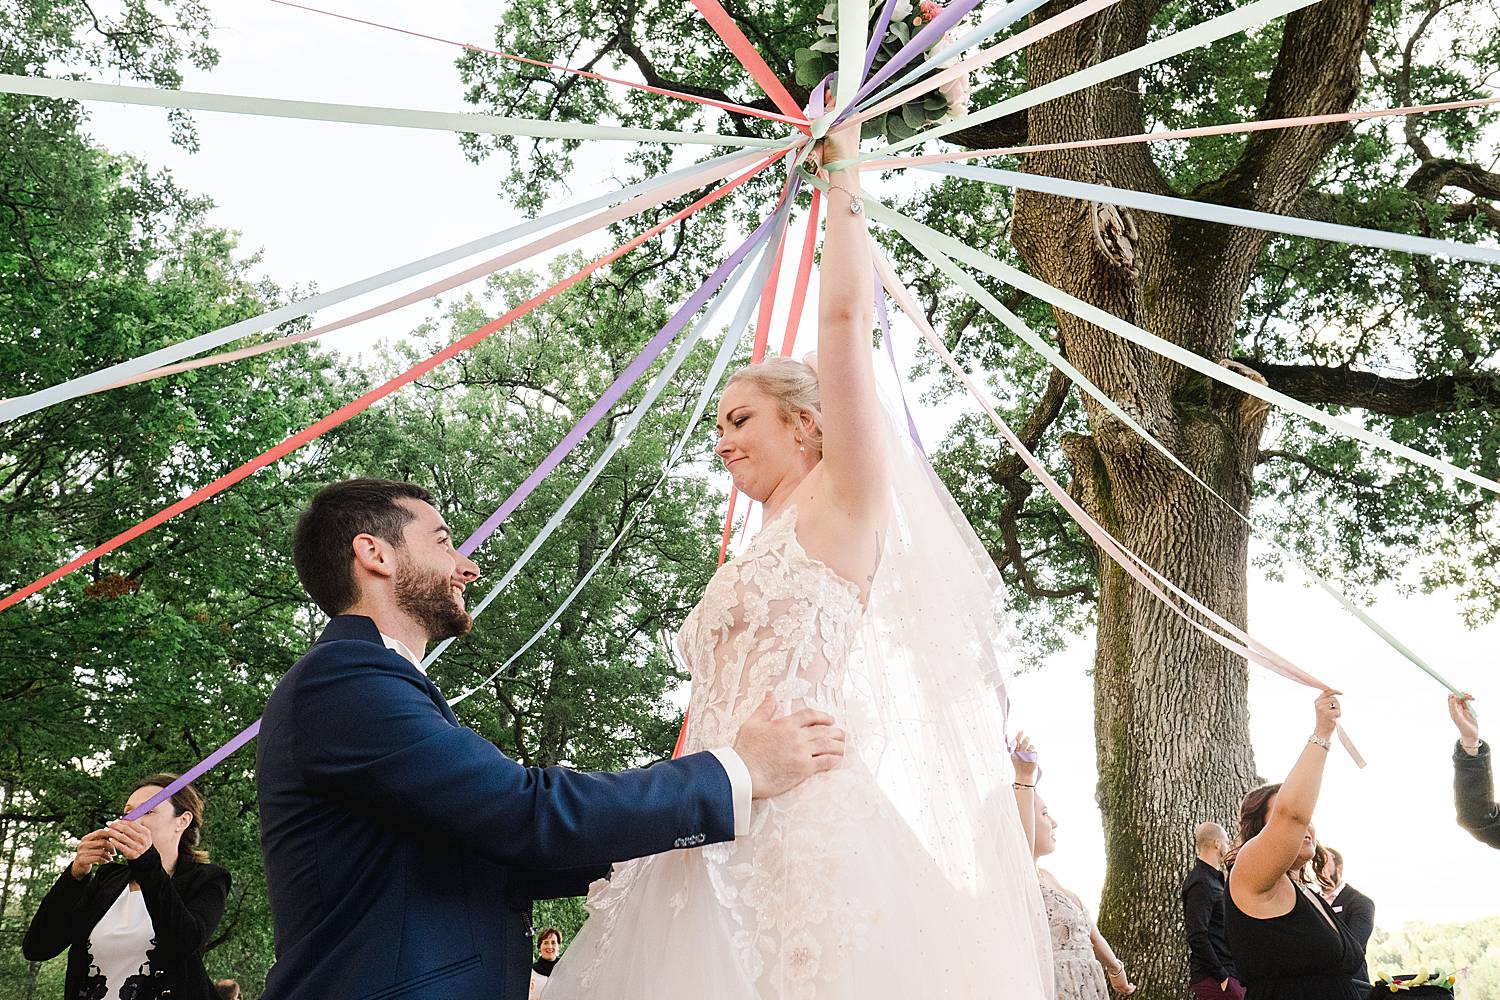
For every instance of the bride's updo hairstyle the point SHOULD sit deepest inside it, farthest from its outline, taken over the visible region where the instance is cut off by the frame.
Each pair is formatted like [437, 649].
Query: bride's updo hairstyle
[794, 385]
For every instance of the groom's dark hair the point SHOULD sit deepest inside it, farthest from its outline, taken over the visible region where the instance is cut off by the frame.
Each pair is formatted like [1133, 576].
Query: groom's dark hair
[321, 548]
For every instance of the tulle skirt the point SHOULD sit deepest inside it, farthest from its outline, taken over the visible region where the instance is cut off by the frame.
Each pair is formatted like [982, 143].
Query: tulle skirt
[831, 896]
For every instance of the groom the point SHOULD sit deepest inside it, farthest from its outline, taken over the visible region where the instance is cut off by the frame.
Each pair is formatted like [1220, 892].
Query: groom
[402, 850]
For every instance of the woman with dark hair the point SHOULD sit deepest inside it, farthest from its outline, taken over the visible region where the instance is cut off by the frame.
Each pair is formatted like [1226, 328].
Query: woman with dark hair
[548, 951]
[136, 930]
[1286, 941]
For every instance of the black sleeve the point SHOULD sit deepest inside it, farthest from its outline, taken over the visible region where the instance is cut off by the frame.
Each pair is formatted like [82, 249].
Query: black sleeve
[1474, 795]
[185, 917]
[1198, 909]
[53, 929]
[1359, 917]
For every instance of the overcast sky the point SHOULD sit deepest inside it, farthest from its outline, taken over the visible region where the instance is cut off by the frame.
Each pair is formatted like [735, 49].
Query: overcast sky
[329, 203]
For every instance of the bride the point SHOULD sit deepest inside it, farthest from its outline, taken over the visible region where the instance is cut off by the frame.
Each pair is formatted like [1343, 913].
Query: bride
[904, 872]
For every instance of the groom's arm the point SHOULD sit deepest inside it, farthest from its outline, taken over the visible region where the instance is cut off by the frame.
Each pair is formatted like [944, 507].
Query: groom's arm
[369, 735]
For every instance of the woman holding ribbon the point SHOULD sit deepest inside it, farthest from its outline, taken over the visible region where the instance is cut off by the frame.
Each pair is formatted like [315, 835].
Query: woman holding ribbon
[903, 872]
[136, 930]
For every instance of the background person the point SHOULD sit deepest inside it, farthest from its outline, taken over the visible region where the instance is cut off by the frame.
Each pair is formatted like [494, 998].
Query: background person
[1353, 907]
[1473, 784]
[1286, 941]
[136, 930]
[1210, 964]
[548, 950]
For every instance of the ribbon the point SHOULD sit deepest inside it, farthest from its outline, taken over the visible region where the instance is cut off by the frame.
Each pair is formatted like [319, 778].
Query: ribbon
[729, 106]
[882, 25]
[1223, 214]
[1241, 643]
[890, 352]
[359, 114]
[979, 60]
[1241, 19]
[1129, 331]
[73, 388]
[635, 206]
[1232, 128]
[918, 235]
[931, 33]
[363, 402]
[730, 34]
[993, 25]
[196, 771]
[716, 373]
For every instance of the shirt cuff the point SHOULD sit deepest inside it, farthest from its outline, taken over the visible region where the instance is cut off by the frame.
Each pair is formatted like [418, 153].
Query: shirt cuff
[739, 787]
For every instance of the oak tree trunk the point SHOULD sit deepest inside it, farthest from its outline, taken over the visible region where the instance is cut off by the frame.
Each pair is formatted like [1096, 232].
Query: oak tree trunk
[1171, 715]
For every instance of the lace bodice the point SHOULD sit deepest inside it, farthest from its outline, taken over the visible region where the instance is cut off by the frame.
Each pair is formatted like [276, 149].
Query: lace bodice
[773, 620]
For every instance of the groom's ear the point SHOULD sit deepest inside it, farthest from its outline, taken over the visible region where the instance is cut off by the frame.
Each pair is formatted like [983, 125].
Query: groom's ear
[373, 555]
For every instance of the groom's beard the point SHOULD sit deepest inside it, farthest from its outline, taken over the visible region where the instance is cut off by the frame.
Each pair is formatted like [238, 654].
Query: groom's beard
[428, 598]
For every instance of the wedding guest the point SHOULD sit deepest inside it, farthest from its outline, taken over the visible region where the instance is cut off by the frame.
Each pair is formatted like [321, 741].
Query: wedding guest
[548, 949]
[1473, 785]
[227, 989]
[1210, 964]
[1080, 954]
[136, 929]
[1353, 907]
[1287, 942]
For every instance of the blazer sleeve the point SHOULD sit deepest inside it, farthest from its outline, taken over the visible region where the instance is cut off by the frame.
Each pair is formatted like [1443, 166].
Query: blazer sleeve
[184, 912]
[1359, 917]
[1197, 908]
[559, 883]
[1474, 795]
[54, 927]
[368, 734]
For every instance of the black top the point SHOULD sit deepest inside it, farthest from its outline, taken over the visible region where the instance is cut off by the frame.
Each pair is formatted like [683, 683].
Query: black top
[1203, 907]
[1474, 794]
[185, 909]
[1296, 956]
[1357, 911]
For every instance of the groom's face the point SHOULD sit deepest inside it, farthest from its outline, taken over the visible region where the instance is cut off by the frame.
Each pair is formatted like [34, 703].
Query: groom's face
[431, 574]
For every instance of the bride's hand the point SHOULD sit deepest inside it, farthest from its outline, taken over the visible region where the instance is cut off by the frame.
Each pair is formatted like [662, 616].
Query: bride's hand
[1026, 770]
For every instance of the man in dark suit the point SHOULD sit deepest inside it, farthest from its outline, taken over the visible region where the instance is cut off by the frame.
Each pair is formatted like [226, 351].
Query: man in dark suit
[1473, 784]
[1353, 907]
[403, 851]
[1211, 971]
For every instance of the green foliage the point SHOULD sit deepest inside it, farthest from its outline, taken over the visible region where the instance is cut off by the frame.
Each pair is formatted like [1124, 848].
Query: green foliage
[1472, 949]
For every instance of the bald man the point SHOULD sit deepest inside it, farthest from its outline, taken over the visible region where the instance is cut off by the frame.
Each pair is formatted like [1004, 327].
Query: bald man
[1210, 966]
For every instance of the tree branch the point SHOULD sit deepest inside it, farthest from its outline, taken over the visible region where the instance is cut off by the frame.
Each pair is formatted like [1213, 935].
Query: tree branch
[1392, 397]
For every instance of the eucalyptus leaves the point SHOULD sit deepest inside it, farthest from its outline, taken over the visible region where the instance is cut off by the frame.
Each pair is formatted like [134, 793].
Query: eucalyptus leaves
[815, 62]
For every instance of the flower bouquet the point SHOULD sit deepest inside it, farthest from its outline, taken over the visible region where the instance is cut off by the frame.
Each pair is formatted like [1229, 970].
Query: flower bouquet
[815, 62]
[1424, 984]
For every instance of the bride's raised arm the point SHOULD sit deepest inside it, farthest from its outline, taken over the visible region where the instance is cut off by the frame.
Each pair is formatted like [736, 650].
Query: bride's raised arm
[854, 459]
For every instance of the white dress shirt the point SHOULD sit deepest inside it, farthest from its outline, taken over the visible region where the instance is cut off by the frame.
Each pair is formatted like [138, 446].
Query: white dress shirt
[119, 941]
[734, 766]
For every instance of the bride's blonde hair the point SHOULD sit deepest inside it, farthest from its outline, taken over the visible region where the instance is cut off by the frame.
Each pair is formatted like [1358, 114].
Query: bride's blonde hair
[793, 385]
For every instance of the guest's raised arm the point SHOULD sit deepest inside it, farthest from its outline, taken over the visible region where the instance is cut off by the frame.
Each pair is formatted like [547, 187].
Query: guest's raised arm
[1473, 784]
[1261, 865]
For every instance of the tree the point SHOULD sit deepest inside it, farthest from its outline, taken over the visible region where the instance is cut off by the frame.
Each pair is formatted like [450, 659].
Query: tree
[1407, 342]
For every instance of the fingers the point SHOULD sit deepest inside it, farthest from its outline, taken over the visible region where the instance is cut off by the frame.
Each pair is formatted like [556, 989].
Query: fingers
[826, 762]
[827, 746]
[809, 717]
[766, 710]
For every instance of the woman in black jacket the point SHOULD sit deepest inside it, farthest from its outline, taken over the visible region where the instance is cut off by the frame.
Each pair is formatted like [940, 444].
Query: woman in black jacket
[136, 931]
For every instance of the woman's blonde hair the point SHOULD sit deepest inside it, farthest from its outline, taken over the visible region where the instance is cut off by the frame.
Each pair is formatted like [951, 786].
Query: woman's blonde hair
[793, 385]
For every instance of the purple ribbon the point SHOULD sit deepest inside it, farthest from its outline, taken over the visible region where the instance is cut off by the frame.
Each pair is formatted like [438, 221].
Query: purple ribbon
[881, 27]
[618, 388]
[924, 40]
[195, 772]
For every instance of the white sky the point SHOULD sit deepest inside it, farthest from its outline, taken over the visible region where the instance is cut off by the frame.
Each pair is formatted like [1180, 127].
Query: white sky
[332, 203]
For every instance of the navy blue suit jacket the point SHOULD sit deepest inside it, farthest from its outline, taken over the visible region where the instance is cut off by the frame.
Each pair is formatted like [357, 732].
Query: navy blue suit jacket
[403, 850]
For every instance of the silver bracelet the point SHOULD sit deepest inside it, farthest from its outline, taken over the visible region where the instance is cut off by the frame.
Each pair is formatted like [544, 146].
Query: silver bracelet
[1316, 740]
[856, 204]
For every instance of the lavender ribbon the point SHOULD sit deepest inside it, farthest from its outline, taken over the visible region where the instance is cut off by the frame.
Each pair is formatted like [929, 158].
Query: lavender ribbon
[890, 352]
[196, 771]
[881, 27]
[924, 40]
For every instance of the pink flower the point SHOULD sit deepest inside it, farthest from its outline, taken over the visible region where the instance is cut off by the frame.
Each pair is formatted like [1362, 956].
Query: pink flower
[930, 9]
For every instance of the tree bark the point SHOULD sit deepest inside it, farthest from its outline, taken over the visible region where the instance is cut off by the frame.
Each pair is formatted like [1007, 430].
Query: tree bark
[1171, 713]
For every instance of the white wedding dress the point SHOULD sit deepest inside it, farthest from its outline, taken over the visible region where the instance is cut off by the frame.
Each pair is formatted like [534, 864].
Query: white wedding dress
[903, 873]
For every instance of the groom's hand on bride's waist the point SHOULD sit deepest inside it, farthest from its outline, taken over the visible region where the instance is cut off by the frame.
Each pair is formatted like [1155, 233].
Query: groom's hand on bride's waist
[782, 753]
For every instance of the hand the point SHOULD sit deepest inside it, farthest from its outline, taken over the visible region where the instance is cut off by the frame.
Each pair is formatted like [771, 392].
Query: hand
[93, 849]
[130, 839]
[1026, 770]
[782, 753]
[840, 144]
[1328, 713]
[1121, 982]
[1463, 718]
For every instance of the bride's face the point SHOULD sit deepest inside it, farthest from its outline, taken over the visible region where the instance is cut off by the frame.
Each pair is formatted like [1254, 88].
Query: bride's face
[1046, 830]
[757, 445]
